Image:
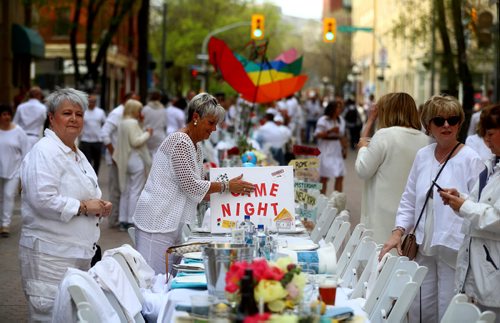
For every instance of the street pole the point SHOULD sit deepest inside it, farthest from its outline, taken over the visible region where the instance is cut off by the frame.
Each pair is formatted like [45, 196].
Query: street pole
[163, 48]
[204, 57]
[433, 48]
[497, 56]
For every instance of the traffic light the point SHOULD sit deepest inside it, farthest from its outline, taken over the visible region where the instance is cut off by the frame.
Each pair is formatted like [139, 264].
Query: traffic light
[329, 30]
[257, 31]
[483, 29]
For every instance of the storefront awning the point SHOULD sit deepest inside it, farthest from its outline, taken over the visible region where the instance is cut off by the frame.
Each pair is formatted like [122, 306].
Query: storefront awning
[27, 41]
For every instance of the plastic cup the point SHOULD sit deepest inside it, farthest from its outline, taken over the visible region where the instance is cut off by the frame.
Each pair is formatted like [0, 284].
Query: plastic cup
[328, 289]
[200, 305]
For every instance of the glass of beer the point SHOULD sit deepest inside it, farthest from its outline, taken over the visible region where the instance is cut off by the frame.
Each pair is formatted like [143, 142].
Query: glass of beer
[328, 289]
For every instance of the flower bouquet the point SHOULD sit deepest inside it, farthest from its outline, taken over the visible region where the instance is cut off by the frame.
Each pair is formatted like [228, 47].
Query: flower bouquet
[277, 286]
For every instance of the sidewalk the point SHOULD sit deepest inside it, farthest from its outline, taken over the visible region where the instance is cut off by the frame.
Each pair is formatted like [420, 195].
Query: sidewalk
[13, 306]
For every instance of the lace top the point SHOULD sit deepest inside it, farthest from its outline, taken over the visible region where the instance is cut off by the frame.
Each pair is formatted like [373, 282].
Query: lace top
[174, 186]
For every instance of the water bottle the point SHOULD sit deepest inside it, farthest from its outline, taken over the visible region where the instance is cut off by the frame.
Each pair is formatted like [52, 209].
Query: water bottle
[261, 240]
[249, 229]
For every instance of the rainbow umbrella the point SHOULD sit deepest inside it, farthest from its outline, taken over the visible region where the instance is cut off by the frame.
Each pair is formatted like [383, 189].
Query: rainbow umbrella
[257, 82]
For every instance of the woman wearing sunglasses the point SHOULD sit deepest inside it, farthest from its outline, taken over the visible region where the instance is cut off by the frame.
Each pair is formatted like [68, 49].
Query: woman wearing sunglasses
[439, 230]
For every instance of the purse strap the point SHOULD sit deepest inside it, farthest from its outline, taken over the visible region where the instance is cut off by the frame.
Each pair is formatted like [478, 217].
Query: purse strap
[429, 192]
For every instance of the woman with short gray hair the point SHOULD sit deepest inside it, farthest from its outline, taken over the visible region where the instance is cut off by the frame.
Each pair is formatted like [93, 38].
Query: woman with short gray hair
[61, 205]
[176, 185]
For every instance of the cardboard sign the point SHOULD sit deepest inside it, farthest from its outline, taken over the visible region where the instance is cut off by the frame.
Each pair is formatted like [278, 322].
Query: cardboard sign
[272, 199]
[305, 150]
[307, 185]
[304, 163]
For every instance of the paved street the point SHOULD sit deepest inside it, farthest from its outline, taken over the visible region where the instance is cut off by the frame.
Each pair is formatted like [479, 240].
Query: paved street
[12, 302]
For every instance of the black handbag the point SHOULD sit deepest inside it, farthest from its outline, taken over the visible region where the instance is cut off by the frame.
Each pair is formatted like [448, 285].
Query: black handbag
[409, 246]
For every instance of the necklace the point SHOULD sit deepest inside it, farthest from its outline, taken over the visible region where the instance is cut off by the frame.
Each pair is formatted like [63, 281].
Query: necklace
[445, 155]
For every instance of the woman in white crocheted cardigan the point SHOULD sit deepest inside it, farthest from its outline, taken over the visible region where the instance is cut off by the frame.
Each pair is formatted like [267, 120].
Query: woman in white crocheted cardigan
[176, 185]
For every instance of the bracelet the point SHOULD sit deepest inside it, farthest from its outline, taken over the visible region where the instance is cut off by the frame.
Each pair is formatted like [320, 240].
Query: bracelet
[222, 187]
[227, 187]
[398, 228]
[85, 208]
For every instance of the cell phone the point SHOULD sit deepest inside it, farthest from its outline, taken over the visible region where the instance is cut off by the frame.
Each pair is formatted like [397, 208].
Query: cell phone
[438, 187]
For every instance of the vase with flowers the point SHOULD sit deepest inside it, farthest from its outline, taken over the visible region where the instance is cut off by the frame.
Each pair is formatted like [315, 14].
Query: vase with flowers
[278, 285]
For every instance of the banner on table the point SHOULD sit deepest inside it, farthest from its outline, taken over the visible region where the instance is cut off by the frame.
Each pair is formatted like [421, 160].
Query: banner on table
[271, 201]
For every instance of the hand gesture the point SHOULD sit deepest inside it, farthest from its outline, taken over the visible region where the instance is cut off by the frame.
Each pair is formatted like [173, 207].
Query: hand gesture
[237, 185]
[393, 242]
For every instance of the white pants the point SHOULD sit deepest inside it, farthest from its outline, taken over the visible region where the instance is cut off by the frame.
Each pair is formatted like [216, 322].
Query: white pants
[136, 178]
[438, 288]
[8, 190]
[152, 246]
[40, 275]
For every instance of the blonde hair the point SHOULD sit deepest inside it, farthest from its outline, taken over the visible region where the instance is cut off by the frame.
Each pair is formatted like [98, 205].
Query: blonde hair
[131, 107]
[398, 109]
[441, 105]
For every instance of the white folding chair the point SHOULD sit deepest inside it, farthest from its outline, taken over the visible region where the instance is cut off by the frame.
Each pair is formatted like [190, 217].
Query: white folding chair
[133, 282]
[387, 293]
[358, 233]
[321, 202]
[334, 228]
[340, 237]
[84, 310]
[323, 224]
[461, 311]
[365, 254]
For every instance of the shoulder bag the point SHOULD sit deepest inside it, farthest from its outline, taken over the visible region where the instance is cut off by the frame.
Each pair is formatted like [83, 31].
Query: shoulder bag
[409, 246]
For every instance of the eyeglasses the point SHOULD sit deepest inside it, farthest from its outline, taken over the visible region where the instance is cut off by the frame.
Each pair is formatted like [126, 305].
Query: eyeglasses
[452, 121]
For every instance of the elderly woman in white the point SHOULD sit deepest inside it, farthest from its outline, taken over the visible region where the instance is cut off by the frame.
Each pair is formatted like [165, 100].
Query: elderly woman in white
[61, 205]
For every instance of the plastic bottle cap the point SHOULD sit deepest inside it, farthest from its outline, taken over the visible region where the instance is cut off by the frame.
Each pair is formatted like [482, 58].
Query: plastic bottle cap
[260, 226]
[247, 217]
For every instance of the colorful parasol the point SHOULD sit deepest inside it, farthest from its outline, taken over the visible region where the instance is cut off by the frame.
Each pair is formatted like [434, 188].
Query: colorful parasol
[258, 82]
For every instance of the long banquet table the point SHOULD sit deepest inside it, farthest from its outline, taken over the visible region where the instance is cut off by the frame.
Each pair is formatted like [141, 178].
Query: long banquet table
[182, 296]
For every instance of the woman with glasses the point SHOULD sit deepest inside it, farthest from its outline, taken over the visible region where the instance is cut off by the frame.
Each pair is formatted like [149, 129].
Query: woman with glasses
[438, 232]
[176, 185]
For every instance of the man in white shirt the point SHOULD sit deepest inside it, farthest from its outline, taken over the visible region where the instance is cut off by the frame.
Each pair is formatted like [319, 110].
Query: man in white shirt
[175, 116]
[109, 134]
[271, 137]
[31, 115]
[154, 118]
[91, 140]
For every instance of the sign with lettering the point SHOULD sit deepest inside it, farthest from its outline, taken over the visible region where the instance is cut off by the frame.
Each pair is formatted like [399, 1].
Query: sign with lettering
[271, 201]
[307, 185]
[304, 163]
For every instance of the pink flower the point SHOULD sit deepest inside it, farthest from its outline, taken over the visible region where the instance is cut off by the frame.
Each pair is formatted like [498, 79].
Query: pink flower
[262, 270]
[234, 275]
[293, 291]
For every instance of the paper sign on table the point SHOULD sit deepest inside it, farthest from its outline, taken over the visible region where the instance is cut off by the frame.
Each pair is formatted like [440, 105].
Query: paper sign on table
[272, 199]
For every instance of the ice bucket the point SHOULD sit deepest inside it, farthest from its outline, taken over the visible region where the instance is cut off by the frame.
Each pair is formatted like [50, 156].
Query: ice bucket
[217, 258]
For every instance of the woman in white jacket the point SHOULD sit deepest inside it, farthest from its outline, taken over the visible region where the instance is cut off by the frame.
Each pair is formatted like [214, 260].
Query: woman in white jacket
[438, 232]
[133, 160]
[478, 273]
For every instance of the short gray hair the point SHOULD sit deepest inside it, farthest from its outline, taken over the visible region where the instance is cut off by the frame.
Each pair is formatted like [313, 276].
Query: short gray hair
[205, 105]
[55, 99]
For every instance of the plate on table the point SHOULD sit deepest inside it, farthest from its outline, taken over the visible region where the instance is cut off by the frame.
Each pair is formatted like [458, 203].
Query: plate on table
[201, 230]
[190, 268]
[295, 230]
[302, 247]
[193, 255]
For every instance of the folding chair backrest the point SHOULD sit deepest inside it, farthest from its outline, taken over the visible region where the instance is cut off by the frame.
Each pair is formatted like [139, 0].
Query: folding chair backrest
[85, 313]
[133, 282]
[340, 237]
[357, 234]
[369, 276]
[460, 310]
[334, 228]
[381, 283]
[323, 224]
[363, 256]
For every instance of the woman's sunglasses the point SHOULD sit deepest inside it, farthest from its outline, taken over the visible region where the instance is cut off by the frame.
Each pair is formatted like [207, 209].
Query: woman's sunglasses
[452, 121]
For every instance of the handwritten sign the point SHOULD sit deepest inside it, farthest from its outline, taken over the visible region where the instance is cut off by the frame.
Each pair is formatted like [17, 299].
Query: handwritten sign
[304, 163]
[306, 213]
[272, 198]
[307, 185]
[303, 197]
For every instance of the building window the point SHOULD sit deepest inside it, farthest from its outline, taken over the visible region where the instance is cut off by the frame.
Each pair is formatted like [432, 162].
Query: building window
[62, 24]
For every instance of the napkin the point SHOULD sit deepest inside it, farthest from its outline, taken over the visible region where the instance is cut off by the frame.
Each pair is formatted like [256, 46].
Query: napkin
[195, 281]
[324, 257]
